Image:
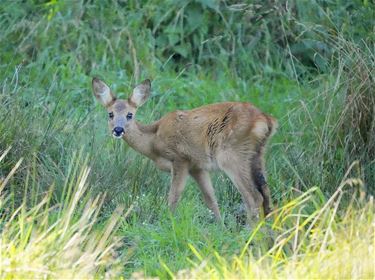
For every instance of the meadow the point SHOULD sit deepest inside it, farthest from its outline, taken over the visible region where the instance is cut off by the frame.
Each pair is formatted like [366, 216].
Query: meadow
[76, 203]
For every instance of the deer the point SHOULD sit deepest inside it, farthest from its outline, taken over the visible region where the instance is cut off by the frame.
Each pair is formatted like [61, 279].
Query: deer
[229, 136]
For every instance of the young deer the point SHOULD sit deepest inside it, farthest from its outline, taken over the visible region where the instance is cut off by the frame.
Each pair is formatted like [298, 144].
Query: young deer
[229, 136]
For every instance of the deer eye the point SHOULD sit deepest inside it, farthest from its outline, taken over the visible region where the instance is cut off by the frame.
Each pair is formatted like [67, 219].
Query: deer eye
[110, 115]
[129, 116]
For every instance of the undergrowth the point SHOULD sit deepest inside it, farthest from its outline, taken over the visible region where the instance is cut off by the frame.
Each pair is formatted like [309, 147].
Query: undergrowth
[310, 64]
[44, 240]
[329, 243]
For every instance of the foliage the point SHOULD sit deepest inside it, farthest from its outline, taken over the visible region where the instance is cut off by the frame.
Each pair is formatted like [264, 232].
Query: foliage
[40, 240]
[308, 63]
[324, 244]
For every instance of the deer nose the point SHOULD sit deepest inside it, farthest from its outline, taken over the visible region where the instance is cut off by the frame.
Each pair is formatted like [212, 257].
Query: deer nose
[118, 131]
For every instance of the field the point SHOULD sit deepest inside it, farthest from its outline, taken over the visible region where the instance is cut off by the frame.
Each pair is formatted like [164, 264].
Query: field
[77, 203]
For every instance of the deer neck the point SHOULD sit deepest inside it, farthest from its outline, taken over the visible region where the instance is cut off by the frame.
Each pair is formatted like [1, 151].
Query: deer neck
[140, 137]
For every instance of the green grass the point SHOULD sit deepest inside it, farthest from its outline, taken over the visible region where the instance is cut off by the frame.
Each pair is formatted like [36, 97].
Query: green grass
[327, 244]
[40, 239]
[309, 64]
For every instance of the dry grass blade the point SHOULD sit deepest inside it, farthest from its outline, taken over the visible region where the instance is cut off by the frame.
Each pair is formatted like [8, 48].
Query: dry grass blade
[11, 173]
[64, 246]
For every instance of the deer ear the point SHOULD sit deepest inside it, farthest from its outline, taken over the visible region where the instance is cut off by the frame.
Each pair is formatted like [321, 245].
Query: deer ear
[102, 92]
[141, 93]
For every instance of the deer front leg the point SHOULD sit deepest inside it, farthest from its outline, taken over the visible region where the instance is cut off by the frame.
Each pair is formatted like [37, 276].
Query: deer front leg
[179, 174]
[203, 180]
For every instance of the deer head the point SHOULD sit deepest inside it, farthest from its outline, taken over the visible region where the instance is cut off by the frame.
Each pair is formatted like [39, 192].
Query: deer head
[121, 112]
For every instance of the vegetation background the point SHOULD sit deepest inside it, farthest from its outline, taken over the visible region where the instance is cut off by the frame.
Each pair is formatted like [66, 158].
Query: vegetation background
[308, 63]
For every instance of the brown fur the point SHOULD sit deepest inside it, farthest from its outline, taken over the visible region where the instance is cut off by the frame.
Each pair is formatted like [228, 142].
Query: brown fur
[229, 136]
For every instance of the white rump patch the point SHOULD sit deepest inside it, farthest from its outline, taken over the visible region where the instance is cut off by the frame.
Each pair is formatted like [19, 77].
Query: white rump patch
[260, 128]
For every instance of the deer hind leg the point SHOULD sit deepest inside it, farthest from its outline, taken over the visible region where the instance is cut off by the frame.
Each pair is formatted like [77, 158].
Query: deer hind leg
[239, 173]
[257, 173]
[179, 176]
[202, 177]
[263, 130]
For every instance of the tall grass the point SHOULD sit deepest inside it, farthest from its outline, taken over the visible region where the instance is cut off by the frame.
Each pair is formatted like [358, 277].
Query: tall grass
[338, 123]
[60, 241]
[308, 63]
[329, 243]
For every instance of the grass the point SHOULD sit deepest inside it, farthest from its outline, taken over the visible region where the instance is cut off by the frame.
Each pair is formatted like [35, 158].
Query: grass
[309, 64]
[44, 240]
[325, 244]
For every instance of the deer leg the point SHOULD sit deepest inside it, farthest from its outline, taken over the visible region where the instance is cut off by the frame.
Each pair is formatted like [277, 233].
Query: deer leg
[257, 173]
[179, 176]
[239, 174]
[203, 180]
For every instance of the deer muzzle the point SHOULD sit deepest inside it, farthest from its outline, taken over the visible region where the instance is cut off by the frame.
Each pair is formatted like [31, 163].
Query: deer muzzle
[118, 132]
